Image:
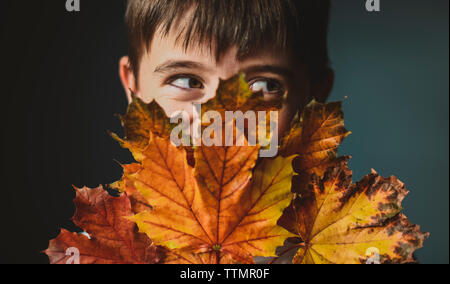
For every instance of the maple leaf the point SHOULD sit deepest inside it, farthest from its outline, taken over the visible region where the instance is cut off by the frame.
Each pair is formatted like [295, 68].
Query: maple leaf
[113, 238]
[141, 119]
[186, 257]
[138, 202]
[340, 222]
[235, 94]
[315, 137]
[215, 208]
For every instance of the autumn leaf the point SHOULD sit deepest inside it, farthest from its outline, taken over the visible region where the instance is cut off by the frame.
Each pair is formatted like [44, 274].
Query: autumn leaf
[234, 94]
[113, 238]
[336, 221]
[141, 119]
[340, 222]
[315, 137]
[214, 209]
[138, 202]
[186, 257]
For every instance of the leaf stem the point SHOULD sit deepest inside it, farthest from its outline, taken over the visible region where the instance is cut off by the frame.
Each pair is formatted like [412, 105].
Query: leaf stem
[217, 257]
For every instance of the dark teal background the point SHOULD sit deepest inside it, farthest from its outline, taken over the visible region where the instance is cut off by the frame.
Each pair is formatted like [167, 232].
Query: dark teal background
[393, 67]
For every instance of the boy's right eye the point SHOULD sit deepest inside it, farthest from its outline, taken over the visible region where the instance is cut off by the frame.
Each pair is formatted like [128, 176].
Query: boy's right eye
[186, 83]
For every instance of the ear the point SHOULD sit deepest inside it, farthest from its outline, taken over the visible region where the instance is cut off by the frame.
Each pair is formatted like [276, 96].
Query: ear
[321, 89]
[127, 76]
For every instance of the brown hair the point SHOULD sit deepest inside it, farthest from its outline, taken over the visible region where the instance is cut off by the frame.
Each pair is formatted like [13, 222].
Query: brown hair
[297, 25]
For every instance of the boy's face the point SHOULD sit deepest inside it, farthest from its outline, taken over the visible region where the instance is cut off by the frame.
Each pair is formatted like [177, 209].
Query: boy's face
[176, 78]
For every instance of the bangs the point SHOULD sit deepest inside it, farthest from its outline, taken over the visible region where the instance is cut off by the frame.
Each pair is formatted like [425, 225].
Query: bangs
[246, 24]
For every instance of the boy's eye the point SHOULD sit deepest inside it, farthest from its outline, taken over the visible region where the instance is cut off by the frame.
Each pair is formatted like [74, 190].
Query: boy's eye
[267, 86]
[186, 83]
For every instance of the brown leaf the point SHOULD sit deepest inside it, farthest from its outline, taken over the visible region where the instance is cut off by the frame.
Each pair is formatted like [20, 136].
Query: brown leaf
[315, 137]
[113, 238]
[141, 119]
[234, 94]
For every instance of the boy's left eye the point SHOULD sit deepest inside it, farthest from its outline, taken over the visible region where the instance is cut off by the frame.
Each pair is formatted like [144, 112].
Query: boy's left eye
[267, 86]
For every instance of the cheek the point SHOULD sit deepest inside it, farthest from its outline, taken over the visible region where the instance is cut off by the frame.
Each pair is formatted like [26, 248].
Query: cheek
[285, 116]
[297, 99]
[172, 107]
[148, 90]
[300, 96]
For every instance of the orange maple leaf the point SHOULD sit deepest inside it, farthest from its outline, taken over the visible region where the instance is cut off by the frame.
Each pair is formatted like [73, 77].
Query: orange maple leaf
[215, 208]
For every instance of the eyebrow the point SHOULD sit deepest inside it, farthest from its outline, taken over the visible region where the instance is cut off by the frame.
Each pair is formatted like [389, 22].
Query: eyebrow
[276, 69]
[171, 65]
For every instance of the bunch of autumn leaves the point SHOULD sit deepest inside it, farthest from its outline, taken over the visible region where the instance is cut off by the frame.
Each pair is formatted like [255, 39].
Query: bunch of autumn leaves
[227, 205]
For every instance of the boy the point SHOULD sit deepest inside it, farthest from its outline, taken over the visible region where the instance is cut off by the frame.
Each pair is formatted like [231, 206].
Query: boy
[179, 49]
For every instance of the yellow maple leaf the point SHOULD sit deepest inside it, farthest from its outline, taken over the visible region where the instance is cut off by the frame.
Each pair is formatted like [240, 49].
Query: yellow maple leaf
[344, 223]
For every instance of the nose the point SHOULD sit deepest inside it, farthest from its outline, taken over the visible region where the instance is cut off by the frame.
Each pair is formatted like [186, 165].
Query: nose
[210, 92]
[212, 89]
[226, 67]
